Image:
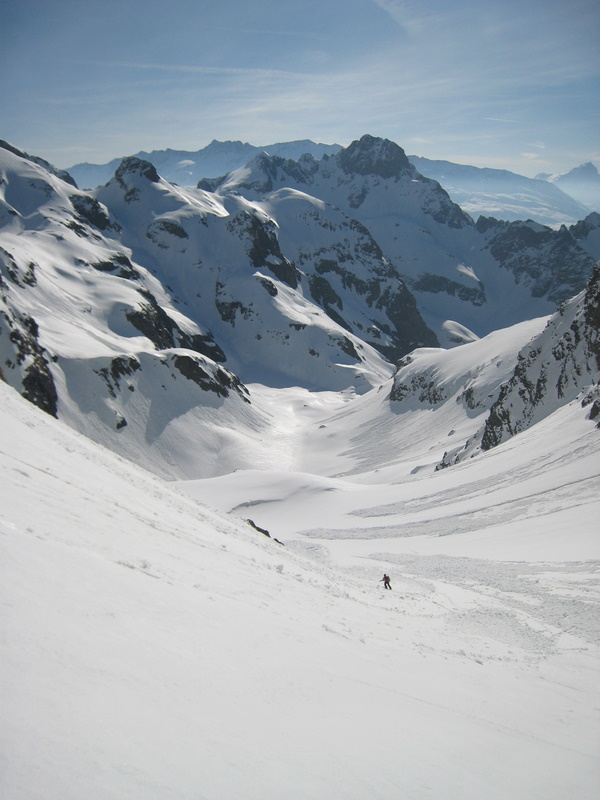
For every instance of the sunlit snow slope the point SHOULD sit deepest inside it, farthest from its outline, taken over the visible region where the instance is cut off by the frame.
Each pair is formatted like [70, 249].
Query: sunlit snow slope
[153, 648]
[155, 644]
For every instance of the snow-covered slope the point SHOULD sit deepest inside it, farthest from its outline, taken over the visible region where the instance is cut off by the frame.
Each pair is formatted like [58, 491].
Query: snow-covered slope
[154, 643]
[503, 194]
[153, 648]
[186, 168]
[94, 338]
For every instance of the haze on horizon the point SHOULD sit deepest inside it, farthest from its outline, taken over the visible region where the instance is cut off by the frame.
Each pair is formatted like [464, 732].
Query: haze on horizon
[506, 84]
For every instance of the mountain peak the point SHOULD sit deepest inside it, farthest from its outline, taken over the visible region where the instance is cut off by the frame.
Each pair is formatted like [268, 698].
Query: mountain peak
[587, 171]
[371, 155]
[138, 166]
[60, 173]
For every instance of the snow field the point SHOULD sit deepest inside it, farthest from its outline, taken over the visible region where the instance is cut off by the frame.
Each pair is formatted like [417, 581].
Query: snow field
[155, 648]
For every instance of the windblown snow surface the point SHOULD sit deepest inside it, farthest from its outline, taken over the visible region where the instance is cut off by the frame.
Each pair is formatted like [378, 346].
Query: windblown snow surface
[156, 646]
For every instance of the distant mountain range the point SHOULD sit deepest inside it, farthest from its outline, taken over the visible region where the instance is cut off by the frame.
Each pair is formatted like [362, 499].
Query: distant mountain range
[186, 168]
[506, 195]
[582, 183]
[549, 200]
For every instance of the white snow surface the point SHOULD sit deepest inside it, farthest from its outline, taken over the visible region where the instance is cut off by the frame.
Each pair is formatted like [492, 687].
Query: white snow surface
[154, 648]
[154, 645]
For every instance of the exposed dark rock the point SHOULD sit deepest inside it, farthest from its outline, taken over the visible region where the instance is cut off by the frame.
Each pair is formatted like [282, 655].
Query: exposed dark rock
[551, 262]
[592, 312]
[136, 166]
[119, 265]
[89, 210]
[265, 251]
[573, 360]
[228, 309]
[434, 284]
[347, 347]
[36, 379]
[256, 528]
[337, 318]
[118, 368]
[39, 387]
[262, 530]
[10, 269]
[269, 286]
[373, 156]
[222, 382]
[323, 293]
[410, 330]
[154, 323]
[423, 386]
[165, 226]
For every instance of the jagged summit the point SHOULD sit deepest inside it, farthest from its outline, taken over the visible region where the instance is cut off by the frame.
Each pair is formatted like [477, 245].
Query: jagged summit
[137, 166]
[371, 155]
[349, 179]
[449, 262]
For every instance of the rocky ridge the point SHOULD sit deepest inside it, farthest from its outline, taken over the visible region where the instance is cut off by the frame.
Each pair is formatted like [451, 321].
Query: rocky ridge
[141, 309]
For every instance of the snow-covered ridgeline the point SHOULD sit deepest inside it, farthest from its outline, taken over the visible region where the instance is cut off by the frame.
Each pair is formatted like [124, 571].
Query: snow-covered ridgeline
[487, 192]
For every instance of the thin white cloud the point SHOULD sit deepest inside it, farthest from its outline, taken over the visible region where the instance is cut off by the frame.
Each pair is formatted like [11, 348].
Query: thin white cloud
[501, 119]
[410, 16]
[202, 70]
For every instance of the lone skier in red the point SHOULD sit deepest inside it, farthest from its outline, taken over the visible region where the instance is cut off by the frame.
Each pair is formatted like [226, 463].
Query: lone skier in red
[386, 581]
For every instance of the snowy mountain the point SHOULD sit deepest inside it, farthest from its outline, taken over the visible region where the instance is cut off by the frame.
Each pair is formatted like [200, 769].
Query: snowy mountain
[468, 279]
[186, 167]
[288, 273]
[105, 309]
[487, 192]
[503, 194]
[229, 355]
[582, 183]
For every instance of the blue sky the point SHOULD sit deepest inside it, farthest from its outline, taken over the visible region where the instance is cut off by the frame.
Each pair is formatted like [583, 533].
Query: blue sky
[507, 84]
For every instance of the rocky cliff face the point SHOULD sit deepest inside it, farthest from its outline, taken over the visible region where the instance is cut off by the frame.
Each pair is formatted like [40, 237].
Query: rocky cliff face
[553, 370]
[559, 366]
[460, 273]
[550, 263]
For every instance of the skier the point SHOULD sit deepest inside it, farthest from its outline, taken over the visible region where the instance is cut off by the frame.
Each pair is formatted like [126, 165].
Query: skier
[386, 581]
